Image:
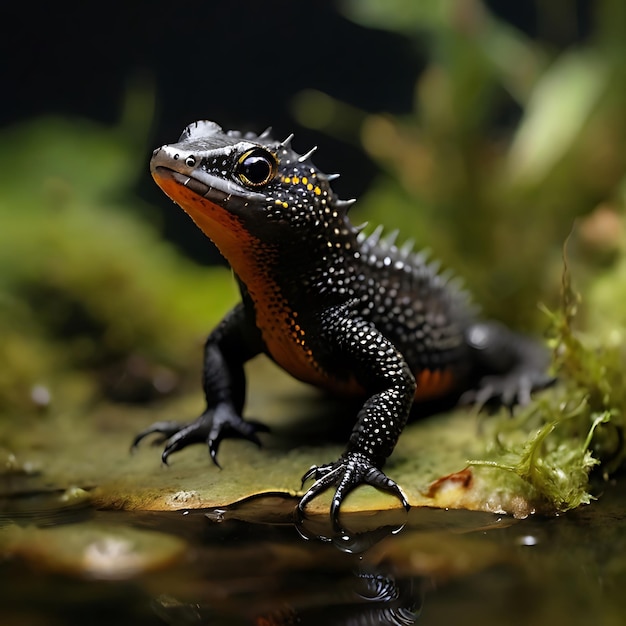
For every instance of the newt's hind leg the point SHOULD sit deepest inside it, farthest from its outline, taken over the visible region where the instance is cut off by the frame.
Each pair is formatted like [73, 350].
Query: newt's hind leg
[510, 366]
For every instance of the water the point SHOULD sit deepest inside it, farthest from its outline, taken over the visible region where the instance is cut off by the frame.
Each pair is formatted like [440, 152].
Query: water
[70, 564]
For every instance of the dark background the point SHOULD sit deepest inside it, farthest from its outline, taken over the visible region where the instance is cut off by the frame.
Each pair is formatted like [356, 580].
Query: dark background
[239, 63]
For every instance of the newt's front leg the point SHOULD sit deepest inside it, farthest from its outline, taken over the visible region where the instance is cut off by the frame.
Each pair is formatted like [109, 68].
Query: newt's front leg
[382, 371]
[235, 341]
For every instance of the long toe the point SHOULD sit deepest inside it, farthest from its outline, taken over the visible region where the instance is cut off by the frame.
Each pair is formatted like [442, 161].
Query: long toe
[165, 429]
[192, 433]
[377, 478]
[346, 474]
[321, 484]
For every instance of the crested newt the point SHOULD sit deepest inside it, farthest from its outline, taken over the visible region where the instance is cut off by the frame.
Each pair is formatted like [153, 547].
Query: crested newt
[345, 311]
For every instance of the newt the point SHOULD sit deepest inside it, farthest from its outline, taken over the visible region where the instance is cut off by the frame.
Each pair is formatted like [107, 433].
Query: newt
[345, 311]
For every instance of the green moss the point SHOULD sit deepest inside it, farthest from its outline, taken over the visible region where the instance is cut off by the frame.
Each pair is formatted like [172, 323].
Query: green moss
[554, 445]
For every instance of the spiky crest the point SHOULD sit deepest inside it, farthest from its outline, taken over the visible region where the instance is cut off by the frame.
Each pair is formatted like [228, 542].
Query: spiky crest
[307, 155]
[286, 143]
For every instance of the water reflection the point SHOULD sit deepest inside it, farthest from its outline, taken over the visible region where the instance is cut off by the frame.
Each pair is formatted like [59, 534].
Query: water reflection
[282, 582]
[220, 567]
[367, 599]
[346, 540]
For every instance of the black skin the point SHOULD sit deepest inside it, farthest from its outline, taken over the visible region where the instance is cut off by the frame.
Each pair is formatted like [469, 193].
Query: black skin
[368, 312]
[234, 342]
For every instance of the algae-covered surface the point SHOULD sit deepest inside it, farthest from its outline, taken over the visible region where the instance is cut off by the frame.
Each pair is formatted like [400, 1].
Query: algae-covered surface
[92, 452]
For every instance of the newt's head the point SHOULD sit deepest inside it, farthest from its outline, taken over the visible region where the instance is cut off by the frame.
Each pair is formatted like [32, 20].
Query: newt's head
[245, 187]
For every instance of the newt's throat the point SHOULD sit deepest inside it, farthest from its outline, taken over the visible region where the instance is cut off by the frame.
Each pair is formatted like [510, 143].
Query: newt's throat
[250, 260]
[222, 227]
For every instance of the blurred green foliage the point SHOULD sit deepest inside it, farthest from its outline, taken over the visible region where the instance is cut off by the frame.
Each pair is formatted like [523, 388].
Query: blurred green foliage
[493, 201]
[91, 298]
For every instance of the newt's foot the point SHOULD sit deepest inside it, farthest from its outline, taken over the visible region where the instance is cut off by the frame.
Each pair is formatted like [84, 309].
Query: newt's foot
[346, 474]
[514, 366]
[211, 428]
[507, 390]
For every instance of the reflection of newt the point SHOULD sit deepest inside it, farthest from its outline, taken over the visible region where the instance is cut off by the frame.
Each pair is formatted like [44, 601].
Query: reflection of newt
[347, 312]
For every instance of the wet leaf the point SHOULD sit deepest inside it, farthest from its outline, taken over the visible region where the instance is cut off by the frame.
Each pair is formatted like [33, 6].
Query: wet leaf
[91, 451]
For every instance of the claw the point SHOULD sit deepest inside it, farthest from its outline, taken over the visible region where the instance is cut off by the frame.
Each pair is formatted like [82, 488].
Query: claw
[213, 446]
[310, 473]
[377, 478]
[393, 488]
[343, 490]
[191, 433]
[210, 428]
[165, 429]
[254, 427]
[507, 391]
[321, 484]
[347, 473]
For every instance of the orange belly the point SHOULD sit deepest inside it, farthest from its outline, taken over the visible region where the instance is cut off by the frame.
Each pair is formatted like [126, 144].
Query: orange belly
[250, 259]
[433, 384]
[286, 341]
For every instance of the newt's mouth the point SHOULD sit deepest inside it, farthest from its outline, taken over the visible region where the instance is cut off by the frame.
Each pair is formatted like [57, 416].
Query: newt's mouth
[202, 189]
[203, 184]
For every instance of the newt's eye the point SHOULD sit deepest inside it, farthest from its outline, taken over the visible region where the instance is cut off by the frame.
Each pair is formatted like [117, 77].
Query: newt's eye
[256, 167]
